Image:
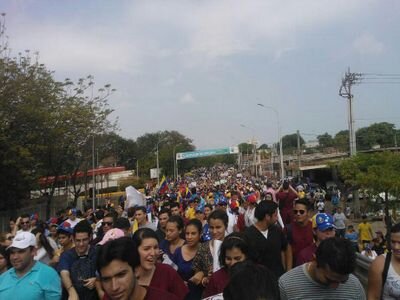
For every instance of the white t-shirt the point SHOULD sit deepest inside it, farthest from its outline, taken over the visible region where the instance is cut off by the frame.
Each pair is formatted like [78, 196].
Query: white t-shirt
[74, 222]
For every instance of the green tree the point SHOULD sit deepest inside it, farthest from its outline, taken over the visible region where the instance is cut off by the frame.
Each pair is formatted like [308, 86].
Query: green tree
[341, 140]
[46, 124]
[246, 148]
[375, 172]
[289, 143]
[325, 140]
[382, 134]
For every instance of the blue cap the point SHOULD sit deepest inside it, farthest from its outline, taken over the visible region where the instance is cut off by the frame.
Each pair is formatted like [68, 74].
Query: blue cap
[65, 227]
[324, 222]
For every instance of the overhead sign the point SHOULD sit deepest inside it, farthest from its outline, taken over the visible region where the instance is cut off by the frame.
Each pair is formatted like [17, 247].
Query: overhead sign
[204, 153]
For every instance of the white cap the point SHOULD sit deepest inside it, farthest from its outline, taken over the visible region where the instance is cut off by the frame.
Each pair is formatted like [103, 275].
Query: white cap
[23, 240]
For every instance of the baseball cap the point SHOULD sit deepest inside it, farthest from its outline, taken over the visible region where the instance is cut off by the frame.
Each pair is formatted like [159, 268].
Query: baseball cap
[112, 234]
[65, 227]
[252, 198]
[23, 240]
[234, 205]
[72, 211]
[324, 222]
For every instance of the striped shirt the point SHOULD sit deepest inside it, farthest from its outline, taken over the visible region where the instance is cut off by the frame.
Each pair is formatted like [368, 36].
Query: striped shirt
[297, 284]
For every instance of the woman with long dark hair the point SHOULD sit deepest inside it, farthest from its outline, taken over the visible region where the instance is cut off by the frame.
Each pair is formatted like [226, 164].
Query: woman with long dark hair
[45, 247]
[234, 249]
[149, 272]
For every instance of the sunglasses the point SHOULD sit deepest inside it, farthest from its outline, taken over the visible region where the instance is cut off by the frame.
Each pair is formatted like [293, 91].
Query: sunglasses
[299, 212]
[25, 222]
[107, 223]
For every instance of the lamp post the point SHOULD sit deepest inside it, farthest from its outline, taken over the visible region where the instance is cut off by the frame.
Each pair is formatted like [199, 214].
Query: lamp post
[279, 137]
[94, 177]
[158, 166]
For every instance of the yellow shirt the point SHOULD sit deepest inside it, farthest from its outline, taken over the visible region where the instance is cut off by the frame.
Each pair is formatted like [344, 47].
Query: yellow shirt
[364, 231]
[190, 213]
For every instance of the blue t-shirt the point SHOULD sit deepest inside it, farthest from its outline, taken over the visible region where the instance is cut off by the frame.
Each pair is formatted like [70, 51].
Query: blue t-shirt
[186, 272]
[41, 282]
[184, 266]
[352, 236]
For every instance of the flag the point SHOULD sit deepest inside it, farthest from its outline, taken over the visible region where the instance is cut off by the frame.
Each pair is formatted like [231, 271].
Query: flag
[163, 186]
[134, 197]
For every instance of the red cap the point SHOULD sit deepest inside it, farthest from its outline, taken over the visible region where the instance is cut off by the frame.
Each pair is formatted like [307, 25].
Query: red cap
[252, 198]
[234, 204]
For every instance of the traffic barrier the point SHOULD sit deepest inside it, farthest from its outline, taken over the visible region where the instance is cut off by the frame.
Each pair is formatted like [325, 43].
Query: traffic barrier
[361, 271]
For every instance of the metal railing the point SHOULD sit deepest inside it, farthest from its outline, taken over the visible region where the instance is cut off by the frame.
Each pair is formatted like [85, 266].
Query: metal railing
[361, 272]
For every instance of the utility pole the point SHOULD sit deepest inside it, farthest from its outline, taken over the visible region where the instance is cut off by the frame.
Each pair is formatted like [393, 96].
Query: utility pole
[345, 91]
[299, 153]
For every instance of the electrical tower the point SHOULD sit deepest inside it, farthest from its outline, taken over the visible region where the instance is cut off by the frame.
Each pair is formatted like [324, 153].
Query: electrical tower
[345, 91]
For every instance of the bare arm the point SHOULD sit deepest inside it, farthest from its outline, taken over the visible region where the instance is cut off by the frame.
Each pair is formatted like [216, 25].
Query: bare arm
[288, 255]
[99, 289]
[375, 278]
[67, 283]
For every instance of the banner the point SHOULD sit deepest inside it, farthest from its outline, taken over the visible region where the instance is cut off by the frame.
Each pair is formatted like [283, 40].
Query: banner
[204, 153]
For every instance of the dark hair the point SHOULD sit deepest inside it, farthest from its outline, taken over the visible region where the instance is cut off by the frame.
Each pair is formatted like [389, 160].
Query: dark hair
[285, 185]
[112, 214]
[266, 207]
[6, 255]
[177, 220]
[303, 202]
[99, 214]
[173, 204]
[144, 233]
[23, 216]
[142, 208]
[209, 206]
[131, 212]
[119, 249]
[82, 227]
[44, 241]
[219, 215]
[395, 228]
[338, 254]
[234, 240]
[122, 223]
[196, 223]
[251, 281]
[164, 211]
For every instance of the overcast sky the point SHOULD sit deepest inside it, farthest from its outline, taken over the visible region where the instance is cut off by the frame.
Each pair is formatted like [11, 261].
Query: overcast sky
[201, 67]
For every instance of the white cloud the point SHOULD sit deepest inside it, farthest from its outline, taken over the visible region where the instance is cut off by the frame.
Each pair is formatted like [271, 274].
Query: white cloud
[367, 44]
[187, 99]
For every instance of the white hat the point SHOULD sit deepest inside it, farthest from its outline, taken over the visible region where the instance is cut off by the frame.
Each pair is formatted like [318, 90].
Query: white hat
[23, 240]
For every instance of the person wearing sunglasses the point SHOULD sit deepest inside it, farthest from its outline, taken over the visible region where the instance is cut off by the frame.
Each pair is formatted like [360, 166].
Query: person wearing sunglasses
[327, 276]
[24, 223]
[324, 228]
[299, 232]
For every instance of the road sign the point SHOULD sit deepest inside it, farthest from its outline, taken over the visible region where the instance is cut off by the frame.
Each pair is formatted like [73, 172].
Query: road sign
[204, 153]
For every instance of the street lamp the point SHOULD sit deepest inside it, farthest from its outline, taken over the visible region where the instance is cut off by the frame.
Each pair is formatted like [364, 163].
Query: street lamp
[158, 165]
[279, 137]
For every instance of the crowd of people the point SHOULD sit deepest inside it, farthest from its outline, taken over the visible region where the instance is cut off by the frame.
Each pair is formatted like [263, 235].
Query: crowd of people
[216, 234]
